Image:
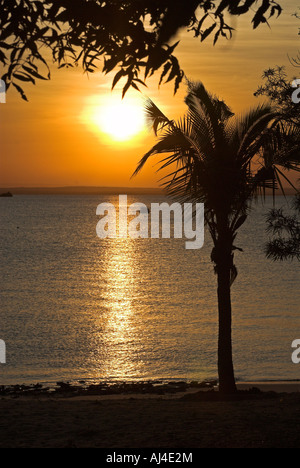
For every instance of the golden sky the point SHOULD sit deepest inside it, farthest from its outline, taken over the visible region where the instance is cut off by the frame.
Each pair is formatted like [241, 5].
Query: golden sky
[59, 139]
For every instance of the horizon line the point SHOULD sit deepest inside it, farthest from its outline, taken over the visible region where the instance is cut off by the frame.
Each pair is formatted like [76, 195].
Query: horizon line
[80, 188]
[90, 189]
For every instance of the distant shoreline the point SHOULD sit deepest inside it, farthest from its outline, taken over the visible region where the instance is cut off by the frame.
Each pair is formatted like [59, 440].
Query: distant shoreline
[82, 190]
[74, 190]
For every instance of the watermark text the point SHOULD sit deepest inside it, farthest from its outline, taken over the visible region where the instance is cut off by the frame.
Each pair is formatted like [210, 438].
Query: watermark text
[2, 352]
[2, 92]
[296, 93]
[296, 353]
[162, 220]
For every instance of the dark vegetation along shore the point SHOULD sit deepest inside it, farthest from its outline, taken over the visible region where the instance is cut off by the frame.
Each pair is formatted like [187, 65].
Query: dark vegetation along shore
[146, 414]
[83, 388]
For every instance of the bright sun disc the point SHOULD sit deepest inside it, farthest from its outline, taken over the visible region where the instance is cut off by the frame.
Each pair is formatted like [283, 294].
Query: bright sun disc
[120, 119]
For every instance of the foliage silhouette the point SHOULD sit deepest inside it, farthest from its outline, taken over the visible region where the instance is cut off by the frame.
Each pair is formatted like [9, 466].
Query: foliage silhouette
[129, 36]
[279, 89]
[224, 161]
[286, 229]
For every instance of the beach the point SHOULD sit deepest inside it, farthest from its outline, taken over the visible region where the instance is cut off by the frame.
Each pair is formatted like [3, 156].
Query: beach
[260, 417]
[107, 347]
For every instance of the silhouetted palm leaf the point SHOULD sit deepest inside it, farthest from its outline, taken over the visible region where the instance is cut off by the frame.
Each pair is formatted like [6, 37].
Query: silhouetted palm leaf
[221, 159]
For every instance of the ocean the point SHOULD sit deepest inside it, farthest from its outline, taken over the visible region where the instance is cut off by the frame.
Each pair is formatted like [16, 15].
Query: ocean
[77, 307]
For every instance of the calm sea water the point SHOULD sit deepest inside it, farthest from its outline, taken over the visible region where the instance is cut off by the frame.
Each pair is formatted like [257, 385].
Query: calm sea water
[74, 306]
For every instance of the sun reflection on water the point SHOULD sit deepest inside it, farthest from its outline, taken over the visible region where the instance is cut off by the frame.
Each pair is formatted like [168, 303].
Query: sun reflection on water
[120, 293]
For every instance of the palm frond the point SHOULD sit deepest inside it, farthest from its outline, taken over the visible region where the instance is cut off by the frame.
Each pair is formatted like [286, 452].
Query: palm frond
[155, 117]
[212, 110]
[250, 128]
[217, 157]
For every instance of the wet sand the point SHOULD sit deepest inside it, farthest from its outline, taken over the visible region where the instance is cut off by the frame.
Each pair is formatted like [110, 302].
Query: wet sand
[189, 419]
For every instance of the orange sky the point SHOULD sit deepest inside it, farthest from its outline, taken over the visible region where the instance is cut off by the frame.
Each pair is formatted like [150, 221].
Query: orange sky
[52, 141]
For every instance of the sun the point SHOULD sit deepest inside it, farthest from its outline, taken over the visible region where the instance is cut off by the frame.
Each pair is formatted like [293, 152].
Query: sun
[119, 119]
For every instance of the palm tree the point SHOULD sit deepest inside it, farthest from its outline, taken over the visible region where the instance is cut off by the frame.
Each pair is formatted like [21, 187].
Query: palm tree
[223, 161]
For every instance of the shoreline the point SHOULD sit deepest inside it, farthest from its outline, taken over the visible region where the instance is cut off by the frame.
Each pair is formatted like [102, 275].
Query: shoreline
[141, 389]
[85, 388]
[280, 386]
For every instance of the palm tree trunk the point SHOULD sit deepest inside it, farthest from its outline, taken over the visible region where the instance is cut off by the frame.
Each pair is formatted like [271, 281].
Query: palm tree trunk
[224, 264]
[225, 362]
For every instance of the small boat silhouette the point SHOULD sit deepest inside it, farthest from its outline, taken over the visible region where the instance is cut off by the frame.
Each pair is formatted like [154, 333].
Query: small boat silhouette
[7, 194]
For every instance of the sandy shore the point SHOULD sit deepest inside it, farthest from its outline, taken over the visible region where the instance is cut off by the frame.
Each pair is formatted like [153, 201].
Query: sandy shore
[189, 419]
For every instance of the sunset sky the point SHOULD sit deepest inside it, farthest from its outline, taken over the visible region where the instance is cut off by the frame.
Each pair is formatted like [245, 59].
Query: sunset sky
[62, 137]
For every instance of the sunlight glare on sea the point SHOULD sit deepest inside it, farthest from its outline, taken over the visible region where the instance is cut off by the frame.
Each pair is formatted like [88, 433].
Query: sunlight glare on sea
[74, 306]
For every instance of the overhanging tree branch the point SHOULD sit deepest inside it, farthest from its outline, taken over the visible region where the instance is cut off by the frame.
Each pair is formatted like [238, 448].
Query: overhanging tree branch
[132, 37]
